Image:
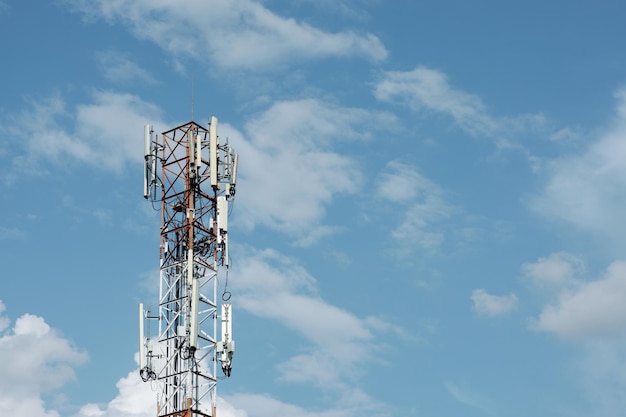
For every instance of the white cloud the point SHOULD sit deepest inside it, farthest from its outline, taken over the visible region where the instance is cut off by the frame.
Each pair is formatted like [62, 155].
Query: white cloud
[34, 360]
[232, 34]
[106, 133]
[486, 304]
[402, 183]
[554, 272]
[136, 398]
[587, 190]
[428, 89]
[273, 286]
[592, 310]
[289, 172]
[117, 68]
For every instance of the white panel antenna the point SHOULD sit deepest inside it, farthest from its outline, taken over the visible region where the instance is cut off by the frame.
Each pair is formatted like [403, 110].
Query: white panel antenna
[195, 299]
[148, 161]
[222, 227]
[213, 149]
[233, 179]
[191, 143]
[198, 151]
[142, 345]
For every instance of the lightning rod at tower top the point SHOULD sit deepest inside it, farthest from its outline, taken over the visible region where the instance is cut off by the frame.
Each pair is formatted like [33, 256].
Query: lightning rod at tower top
[190, 176]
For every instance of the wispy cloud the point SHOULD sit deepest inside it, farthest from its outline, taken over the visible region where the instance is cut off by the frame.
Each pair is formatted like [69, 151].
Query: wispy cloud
[424, 207]
[273, 286]
[119, 69]
[470, 398]
[427, 90]
[240, 34]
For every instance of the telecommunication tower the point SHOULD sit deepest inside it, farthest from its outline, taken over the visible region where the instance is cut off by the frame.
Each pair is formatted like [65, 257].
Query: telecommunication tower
[192, 177]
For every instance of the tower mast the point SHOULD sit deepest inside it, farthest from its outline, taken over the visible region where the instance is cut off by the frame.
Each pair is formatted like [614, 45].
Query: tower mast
[196, 183]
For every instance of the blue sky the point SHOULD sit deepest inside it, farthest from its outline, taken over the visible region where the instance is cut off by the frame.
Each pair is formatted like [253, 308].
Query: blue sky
[429, 215]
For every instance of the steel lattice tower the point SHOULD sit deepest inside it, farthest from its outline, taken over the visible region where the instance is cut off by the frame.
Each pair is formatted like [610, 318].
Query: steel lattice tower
[196, 182]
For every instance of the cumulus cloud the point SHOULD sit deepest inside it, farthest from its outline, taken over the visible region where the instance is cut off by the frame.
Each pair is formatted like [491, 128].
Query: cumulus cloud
[592, 310]
[240, 34]
[136, 398]
[34, 360]
[490, 305]
[586, 190]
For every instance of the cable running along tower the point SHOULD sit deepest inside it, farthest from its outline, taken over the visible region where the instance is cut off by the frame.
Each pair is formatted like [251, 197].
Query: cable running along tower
[192, 177]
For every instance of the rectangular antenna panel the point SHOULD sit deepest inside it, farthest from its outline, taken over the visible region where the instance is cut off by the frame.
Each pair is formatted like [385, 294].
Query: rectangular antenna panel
[195, 300]
[213, 148]
[222, 217]
[233, 179]
[191, 144]
[147, 160]
[222, 226]
[198, 151]
[142, 348]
